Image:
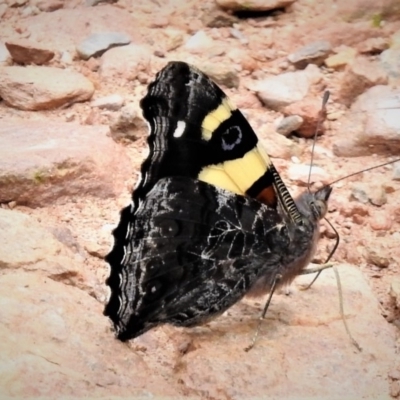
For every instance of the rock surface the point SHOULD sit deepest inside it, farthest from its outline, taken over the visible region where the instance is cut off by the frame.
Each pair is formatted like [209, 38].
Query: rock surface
[98, 43]
[35, 171]
[278, 92]
[43, 88]
[26, 52]
[312, 53]
[126, 62]
[55, 339]
[373, 125]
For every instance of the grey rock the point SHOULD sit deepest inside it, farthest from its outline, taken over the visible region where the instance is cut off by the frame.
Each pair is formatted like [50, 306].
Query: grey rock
[98, 43]
[289, 124]
[277, 92]
[112, 102]
[359, 193]
[312, 53]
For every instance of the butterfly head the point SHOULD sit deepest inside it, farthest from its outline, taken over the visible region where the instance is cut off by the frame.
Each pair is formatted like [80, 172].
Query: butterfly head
[314, 205]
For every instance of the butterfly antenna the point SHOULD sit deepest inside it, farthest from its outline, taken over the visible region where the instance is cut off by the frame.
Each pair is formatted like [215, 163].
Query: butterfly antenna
[363, 170]
[325, 99]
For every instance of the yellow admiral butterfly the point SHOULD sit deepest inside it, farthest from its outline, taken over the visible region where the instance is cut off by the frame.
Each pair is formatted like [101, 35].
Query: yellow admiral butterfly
[211, 220]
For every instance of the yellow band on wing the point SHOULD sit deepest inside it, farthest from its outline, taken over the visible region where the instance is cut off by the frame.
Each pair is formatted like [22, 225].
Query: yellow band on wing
[214, 119]
[237, 175]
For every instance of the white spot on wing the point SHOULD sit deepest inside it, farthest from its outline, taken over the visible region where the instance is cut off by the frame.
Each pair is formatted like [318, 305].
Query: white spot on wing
[180, 128]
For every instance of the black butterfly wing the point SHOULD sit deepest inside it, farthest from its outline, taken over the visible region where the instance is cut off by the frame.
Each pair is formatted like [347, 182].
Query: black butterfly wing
[197, 132]
[193, 251]
[212, 259]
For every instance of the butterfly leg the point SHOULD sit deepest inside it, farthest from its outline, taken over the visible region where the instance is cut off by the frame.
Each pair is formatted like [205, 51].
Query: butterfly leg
[316, 270]
[276, 281]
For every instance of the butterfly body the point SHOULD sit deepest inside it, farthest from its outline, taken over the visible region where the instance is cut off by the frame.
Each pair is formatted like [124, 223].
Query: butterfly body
[210, 221]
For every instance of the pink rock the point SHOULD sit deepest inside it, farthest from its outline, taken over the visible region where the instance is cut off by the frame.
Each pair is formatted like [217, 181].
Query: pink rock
[43, 88]
[24, 51]
[41, 162]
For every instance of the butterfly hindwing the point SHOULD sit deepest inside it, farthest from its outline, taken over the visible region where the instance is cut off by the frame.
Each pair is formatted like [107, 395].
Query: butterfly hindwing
[194, 250]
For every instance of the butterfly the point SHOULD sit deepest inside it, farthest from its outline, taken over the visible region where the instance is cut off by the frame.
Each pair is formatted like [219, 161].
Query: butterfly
[210, 220]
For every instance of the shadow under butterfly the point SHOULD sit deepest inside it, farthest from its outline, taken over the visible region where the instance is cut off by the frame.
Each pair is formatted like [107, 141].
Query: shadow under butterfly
[211, 220]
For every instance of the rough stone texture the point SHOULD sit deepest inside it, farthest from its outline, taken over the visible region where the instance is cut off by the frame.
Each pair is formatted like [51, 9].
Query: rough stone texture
[373, 45]
[277, 92]
[310, 111]
[5, 57]
[199, 42]
[42, 88]
[49, 5]
[24, 51]
[128, 124]
[312, 53]
[112, 102]
[289, 124]
[222, 74]
[395, 292]
[360, 75]
[42, 161]
[56, 342]
[125, 62]
[253, 5]
[368, 9]
[66, 27]
[372, 126]
[97, 43]
[390, 62]
[304, 337]
[299, 174]
[28, 246]
[345, 55]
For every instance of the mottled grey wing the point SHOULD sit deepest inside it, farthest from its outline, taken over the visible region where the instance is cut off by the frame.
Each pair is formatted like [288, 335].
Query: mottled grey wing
[193, 251]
